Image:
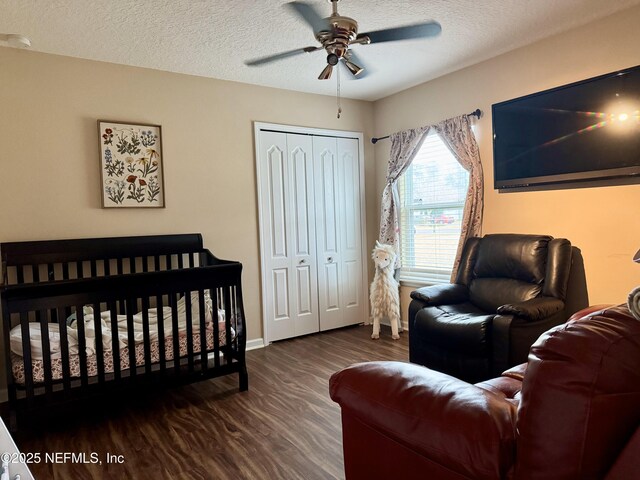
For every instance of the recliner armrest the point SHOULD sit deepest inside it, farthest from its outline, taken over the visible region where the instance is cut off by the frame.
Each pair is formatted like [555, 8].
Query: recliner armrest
[534, 309]
[447, 294]
[464, 428]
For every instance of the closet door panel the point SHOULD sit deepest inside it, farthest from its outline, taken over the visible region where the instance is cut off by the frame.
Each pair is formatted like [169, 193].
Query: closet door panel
[280, 282]
[353, 274]
[328, 200]
[277, 196]
[330, 277]
[305, 294]
[350, 241]
[332, 287]
[276, 232]
[303, 259]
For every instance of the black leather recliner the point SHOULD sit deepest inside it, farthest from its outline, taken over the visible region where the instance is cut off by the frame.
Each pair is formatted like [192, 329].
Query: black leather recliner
[510, 288]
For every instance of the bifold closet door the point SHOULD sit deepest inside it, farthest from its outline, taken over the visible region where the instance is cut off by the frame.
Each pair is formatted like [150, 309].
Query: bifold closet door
[288, 234]
[338, 227]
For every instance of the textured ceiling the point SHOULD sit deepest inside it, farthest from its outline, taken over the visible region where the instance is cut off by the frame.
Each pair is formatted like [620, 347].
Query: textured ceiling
[212, 38]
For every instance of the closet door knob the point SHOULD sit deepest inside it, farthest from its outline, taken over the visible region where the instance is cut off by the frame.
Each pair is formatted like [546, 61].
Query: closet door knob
[330, 259]
[302, 262]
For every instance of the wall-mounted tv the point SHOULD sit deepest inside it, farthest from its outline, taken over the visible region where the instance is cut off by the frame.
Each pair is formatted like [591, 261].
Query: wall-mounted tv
[583, 134]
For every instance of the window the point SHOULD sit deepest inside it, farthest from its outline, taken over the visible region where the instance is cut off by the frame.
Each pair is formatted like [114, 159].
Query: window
[432, 194]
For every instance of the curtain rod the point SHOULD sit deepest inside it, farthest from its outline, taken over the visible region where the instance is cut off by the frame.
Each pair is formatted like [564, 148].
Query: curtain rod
[476, 113]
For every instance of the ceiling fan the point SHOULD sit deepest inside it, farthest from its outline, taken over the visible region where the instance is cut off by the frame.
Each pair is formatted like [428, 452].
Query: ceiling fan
[337, 34]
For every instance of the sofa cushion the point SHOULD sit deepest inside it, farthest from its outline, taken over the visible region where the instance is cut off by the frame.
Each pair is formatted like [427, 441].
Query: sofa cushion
[522, 257]
[462, 327]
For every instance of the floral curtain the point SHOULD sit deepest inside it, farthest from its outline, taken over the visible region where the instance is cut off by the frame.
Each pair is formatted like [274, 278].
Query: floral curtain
[456, 133]
[404, 146]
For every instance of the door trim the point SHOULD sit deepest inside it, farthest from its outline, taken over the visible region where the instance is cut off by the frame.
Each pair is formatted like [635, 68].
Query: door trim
[323, 132]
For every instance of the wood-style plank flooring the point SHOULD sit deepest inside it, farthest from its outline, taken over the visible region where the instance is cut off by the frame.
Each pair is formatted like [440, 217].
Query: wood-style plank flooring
[284, 427]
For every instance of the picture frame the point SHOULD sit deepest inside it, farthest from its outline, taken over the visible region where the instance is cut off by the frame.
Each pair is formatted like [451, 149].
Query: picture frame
[131, 170]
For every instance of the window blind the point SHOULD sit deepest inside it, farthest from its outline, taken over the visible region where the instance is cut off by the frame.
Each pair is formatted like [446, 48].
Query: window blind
[432, 194]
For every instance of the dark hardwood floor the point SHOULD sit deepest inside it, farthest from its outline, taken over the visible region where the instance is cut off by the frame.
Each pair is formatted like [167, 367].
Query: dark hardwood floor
[284, 427]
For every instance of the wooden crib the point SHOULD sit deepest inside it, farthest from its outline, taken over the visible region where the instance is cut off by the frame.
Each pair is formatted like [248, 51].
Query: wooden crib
[84, 317]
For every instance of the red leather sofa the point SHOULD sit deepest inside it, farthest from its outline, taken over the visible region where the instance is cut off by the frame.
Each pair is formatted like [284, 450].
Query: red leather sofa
[571, 412]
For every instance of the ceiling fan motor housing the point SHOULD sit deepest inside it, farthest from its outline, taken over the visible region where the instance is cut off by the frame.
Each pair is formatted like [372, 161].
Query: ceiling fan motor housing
[343, 31]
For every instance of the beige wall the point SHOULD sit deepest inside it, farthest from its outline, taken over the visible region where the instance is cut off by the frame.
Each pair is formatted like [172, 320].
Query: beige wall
[602, 222]
[49, 173]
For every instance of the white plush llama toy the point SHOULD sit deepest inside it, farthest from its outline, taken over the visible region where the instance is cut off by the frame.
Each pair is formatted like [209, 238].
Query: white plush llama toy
[384, 297]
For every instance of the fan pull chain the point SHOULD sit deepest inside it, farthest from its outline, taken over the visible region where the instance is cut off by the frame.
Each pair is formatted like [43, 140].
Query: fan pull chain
[338, 91]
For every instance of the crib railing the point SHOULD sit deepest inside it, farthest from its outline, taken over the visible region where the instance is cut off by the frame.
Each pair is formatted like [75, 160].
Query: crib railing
[51, 260]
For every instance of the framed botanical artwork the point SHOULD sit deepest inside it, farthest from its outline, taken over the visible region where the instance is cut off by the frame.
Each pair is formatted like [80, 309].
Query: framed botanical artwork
[131, 165]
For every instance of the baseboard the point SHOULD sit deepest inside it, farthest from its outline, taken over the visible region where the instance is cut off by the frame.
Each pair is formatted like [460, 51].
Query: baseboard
[255, 343]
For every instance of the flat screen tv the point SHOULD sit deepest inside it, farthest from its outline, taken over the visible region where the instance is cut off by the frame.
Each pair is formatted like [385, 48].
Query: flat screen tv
[583, 134]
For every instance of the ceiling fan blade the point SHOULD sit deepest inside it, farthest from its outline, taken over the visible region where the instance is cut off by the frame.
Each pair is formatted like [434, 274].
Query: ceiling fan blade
[421, 30]
[309, 14]
[280, 56]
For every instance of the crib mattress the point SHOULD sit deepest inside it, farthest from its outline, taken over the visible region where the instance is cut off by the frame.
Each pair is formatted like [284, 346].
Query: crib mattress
[92, 364]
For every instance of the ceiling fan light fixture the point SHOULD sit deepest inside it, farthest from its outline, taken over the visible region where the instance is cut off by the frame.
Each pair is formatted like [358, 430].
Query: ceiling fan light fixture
[353, 68]
[333, 59]
[326, 73]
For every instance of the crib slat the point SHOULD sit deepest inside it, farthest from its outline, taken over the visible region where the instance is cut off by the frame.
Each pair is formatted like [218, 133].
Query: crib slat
[228, 318]
[216, 333]
[119, 266]
[107, 267]
[20, 273]
[6, 334]
[43, 319]
[65, 270]
[80, 268]
[203, 334]
[26, 355]
[82, 346]
[169, 262]
[191, 260]
[132, 265]
[120, 271]
[94, 268]
[180, 261]
[97, 322]
[64, 350]
[146, 336]
[50, 273]
[115, 342]
[36, 273]
[175, 334]
[130, 338]
[189, 315]
[161, 337]
[156, 263]
[145, 264]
